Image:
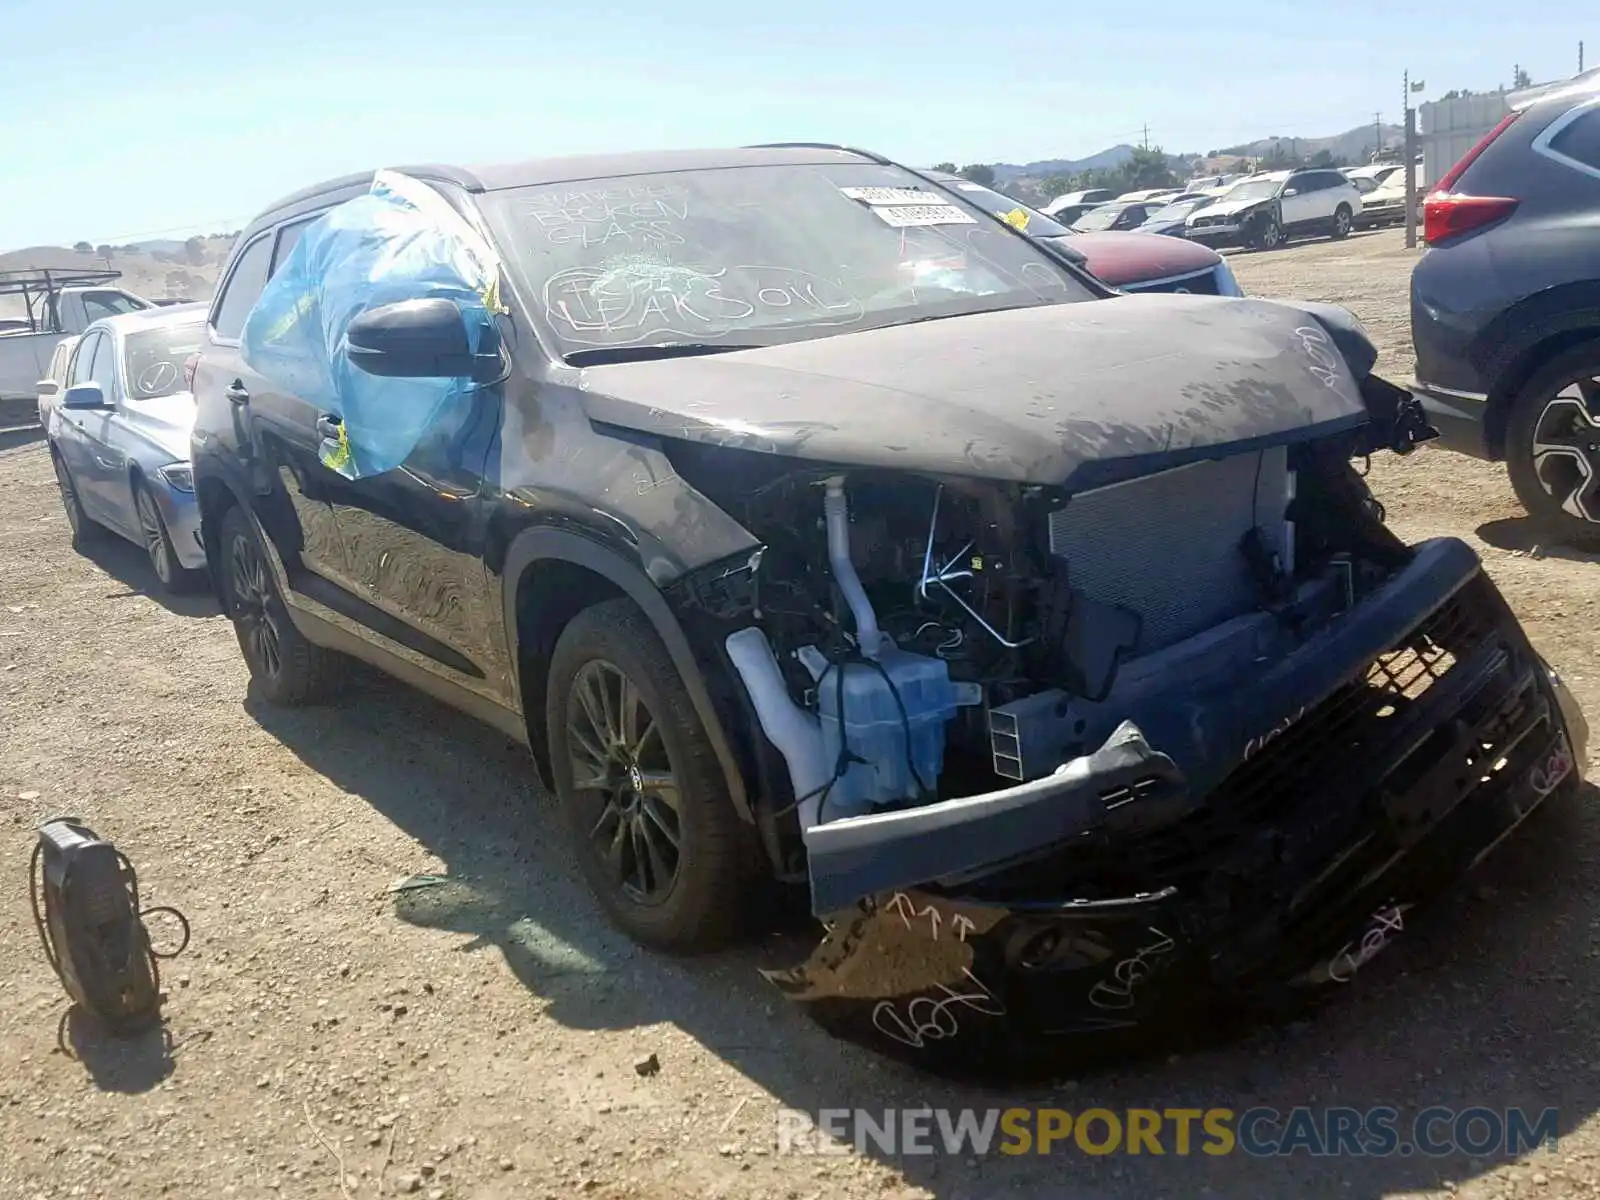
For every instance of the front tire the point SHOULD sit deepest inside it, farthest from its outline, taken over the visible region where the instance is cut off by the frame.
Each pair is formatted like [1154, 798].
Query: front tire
[1343, 221]
[1553, 446]
[641, 790]
[1267, 235]
[174, 578]
[288, 669]
[84, 530]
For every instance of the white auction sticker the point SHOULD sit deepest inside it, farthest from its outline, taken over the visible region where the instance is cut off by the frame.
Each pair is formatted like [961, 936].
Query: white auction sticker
[889, 195]
[904, 216]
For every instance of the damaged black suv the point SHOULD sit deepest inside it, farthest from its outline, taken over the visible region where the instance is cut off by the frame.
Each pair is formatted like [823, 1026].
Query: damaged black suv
[810, 523]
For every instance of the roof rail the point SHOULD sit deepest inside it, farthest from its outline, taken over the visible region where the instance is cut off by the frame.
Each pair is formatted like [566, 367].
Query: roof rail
[873, 155]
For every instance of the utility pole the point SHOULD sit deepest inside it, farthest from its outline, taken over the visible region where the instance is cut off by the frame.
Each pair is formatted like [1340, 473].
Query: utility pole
[1580, 58]
[1377, 134]
[1146, 139]
[1410, 167]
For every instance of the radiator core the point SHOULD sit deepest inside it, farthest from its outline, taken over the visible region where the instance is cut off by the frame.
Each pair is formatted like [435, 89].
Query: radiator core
[1167, 546]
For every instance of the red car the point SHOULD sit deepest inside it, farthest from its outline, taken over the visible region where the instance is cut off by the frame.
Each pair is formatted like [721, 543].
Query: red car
[1130, 261]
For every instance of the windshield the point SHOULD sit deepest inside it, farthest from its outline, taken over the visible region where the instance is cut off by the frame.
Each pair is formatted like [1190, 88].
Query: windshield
[1174, 212]
[1103, 217]
[1028, 220]
[758, 255]
[153, 358]
[1254, 189]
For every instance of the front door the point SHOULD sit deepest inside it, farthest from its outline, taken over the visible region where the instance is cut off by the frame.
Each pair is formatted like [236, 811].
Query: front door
[276, 432]
[81, 433]
[415, 540]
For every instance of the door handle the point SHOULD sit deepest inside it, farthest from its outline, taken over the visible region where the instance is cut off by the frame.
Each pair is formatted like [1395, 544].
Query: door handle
[329, 426]
[236, 393]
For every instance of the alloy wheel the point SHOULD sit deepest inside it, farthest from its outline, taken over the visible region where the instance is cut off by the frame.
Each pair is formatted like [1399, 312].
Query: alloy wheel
[155, 536]
[253, 605]
[1566, 449]
[1341, 222]
[618, 756]
[1271, 235]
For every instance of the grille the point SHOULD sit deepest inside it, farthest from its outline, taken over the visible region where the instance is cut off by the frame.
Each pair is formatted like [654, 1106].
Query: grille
[1167, 546]
[1293, 769]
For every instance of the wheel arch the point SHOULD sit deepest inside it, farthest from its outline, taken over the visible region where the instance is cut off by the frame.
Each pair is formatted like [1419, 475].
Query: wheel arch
[550, 576]
[215, 494]
[1518, 343]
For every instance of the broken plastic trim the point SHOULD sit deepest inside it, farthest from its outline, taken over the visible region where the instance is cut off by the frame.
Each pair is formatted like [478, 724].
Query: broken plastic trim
[848, 860]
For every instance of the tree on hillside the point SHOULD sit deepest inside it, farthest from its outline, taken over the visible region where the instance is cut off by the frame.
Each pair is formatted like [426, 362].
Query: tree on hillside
[949, 168]
[978, 173]
[1521, 79]
[83, 248]
[195, 251]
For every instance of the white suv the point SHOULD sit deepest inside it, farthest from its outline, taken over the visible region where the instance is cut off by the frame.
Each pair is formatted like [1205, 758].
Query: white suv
[1264, 211]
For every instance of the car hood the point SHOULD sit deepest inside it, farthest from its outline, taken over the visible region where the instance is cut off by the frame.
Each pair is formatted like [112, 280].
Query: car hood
[1121, 258]
[1075, 395]
[165, 423]
[1227, 208]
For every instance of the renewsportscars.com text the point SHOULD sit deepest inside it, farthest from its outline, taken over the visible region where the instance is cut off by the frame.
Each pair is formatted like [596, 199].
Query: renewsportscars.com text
[1257, 1132]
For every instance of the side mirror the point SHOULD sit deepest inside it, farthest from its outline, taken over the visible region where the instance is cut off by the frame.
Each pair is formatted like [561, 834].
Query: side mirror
[47, 387]
[84, 395]
[1291, 191]
[419, 339]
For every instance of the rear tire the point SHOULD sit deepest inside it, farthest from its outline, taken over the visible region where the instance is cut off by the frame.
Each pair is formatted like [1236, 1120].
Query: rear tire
[174, 578]
[1343, 220]
[288, 669]
[1553, 447]
[655, 832]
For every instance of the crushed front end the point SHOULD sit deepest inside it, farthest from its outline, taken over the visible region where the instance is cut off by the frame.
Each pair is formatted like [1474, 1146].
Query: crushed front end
[1069, 762]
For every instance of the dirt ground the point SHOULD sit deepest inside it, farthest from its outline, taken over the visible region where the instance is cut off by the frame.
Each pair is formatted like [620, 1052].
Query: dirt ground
[478, 1040]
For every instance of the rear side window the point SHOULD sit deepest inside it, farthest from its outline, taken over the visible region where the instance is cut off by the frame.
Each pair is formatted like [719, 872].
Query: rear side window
[244, 286]
[58, 362]
[1579, 140]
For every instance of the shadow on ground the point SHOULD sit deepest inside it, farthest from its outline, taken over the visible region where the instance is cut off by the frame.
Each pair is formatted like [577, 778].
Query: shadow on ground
[1492, 1001]
[130, 566]
[1523, 534]
[118, 1064]
[16, 437]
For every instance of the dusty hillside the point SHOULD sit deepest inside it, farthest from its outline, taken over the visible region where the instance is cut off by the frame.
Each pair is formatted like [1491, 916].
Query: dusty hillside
[155, 269]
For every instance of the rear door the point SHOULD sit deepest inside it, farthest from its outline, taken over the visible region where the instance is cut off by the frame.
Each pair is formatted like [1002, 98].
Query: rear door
[275, 431]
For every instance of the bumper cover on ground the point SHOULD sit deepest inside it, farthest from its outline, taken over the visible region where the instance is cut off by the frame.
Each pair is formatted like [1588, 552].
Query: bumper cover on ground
[1301, 865]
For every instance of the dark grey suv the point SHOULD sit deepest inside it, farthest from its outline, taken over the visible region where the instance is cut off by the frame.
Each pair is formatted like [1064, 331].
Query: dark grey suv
[811, 523]
[1505, 304]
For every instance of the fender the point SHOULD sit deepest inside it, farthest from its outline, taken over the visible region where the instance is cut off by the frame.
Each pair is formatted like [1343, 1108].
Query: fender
[1516, 343]
[532, 545]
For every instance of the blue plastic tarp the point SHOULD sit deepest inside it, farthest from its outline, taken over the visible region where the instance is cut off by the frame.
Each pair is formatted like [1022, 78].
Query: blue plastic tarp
[399, 241]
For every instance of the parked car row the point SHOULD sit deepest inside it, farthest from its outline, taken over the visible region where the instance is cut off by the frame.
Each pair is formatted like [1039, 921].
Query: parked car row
[954, 581]
[1261, 211]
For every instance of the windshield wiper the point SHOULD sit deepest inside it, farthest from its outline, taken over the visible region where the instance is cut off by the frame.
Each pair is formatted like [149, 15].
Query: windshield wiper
[596, 355]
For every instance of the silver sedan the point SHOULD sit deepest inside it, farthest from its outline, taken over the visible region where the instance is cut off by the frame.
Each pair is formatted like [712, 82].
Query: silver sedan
[119, 438]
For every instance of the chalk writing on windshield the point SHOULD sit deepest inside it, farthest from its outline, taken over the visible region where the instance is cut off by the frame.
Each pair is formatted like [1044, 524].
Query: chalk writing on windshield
[622, 216]
[633, 300]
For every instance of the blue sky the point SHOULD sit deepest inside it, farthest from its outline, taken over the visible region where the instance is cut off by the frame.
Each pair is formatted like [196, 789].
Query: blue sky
[167, 117]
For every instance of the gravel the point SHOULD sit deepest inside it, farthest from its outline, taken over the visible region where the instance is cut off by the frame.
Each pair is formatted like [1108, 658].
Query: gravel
[522, 1064]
